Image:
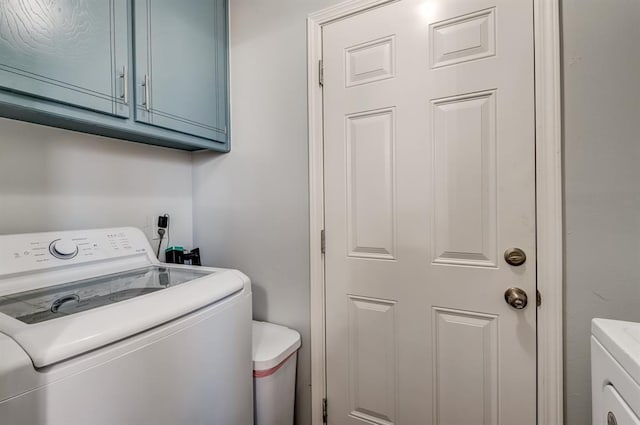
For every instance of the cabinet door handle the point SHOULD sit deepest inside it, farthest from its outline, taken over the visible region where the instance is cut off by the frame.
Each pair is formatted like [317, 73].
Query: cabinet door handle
[146, 84]
[125, 85]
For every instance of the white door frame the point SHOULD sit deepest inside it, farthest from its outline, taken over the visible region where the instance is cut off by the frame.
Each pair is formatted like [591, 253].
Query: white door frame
[549, 213]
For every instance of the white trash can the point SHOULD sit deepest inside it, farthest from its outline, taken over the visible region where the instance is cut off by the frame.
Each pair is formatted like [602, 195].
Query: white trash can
[275, 351]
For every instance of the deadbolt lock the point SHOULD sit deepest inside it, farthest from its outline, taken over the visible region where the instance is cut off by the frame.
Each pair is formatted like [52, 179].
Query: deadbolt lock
[515, 256]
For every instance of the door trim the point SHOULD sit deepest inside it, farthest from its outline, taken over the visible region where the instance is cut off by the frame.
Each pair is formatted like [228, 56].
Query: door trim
[549, 211]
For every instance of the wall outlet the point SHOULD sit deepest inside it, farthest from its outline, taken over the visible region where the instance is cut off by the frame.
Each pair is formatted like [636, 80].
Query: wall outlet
[157, 229]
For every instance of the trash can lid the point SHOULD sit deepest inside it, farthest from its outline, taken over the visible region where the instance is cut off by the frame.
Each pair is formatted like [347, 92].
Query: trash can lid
[272, 344]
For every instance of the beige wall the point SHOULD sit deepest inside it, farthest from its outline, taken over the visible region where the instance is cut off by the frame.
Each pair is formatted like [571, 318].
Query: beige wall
[602, 179]
[52, 179]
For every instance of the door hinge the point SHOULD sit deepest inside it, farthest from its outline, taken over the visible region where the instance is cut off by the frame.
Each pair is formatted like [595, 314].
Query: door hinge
[323, 245]
[324, 410]
[321, 73]
[538, 298]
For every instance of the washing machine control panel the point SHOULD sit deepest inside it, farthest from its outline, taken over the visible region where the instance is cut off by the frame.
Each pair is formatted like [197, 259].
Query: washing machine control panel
[41, 250]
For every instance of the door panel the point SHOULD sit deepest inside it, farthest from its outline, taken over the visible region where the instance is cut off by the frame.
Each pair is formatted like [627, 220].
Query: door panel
[372, 359]
[465, 177]
[371, 184]
[429, 178]
[188, 98]
[73, 52]
[465, 346]
[463, 38]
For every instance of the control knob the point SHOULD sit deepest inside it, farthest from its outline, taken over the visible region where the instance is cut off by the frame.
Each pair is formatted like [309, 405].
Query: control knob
[63, 249]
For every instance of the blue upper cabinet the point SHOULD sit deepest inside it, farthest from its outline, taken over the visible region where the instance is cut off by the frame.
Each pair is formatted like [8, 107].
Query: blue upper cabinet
[150, 71]
[181, 66]
[72, 52]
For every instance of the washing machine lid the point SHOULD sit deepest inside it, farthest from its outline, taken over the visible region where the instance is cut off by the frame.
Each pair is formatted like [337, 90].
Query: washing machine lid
[53, 302]
[54, 323]
[622, 341]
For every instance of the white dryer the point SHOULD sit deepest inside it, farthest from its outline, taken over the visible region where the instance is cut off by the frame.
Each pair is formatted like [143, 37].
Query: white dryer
[615, 372]
[94, 330]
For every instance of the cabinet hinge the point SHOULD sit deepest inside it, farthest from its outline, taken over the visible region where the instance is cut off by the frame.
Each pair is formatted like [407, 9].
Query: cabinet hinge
[324, 410]
[538, 298]
[321, 72]
[323, 245]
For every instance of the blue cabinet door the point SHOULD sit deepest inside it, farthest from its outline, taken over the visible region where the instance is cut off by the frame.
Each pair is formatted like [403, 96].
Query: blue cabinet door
[72, 52]
[181, 66]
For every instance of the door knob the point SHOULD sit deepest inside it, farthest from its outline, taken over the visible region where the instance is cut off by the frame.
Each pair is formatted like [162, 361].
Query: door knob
[516, 298]
[515, 256]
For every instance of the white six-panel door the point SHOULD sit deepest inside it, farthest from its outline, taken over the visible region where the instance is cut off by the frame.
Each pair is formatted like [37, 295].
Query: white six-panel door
[429, 178]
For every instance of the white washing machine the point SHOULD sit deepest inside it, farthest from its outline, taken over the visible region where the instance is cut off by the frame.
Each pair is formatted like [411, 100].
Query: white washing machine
[615, 372]
[94, 330]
